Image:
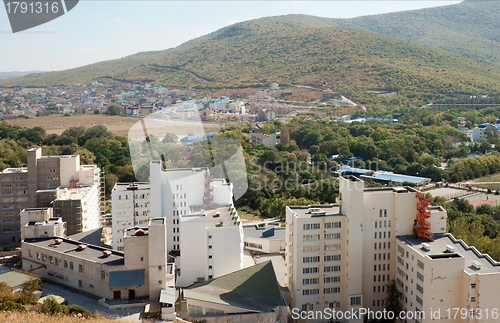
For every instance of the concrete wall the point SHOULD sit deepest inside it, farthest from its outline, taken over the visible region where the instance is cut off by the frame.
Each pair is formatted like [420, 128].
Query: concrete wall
[194, 250]
[227, 249]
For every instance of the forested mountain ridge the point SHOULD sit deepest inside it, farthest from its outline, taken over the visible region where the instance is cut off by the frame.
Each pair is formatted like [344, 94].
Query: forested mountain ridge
[468, 29]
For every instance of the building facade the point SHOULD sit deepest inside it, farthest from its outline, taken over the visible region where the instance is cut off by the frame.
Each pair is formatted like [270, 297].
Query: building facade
[44, 181]
[140, 271]
[446, 280]
[129, 207]
[342, 256]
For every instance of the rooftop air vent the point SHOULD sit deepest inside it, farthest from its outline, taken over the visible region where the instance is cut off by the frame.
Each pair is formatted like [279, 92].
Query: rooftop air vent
[58, 240]
[476, 264]
[82, 246]
[106, 253]
[426, 246]
[449, 248]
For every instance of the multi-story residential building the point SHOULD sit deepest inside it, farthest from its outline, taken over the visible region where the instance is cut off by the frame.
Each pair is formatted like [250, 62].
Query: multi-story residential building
[130, 207]
[14, 198]
[74, 188]
[342, 256]
[175, 192]
[212, 245]
[204, 232]
[140, 271]
[446, 280]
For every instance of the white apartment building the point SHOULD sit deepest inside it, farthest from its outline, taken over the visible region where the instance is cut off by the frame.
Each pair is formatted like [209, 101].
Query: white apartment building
[446, 280]
[174, 192]
[130, 207]
[212, 247]
[342, 256]
[196, 207]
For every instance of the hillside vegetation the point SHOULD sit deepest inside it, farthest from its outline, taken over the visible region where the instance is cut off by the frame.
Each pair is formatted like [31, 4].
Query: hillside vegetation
[292, 49]
[348, 60]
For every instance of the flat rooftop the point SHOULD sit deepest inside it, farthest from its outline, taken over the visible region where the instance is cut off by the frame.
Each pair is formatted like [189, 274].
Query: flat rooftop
[437, 251]
[76, 193]
[220, 215]
[305, 211]
[70, 247]
[125, 186]
[255, 231]
[22, 170]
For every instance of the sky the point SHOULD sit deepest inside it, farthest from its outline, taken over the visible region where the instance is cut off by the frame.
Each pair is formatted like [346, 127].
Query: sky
[97, 30]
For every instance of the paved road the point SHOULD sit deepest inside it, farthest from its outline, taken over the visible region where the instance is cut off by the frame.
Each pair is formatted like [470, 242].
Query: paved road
[127, 315]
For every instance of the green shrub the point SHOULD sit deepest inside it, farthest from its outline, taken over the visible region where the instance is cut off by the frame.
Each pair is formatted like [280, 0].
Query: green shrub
[11, 306]
[5, 290]
[51, 306]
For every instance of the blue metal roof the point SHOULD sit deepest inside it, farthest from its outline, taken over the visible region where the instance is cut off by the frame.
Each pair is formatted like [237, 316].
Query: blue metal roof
[396, 178]
[192, 138]
[126, 278]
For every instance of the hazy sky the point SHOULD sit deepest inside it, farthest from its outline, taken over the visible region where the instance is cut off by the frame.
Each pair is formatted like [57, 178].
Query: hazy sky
[101, 30]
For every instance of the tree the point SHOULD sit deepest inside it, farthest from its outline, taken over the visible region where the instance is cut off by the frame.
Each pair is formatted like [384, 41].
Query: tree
[285, 135]
[169, 138]
[392, 299]
[115, 110]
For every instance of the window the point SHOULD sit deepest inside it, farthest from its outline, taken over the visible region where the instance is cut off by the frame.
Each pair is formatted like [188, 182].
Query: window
[309, 248]
[473, 286]
[310, 292]
[159, 268]
[328, 269]
[335, 279]
[331, 236]
[310, 281]
[310, 270]
[80, 284]
[329, 247]
[330, 225]
[310, 259]
[91, 286]
[420, 288]
[473, 299]
[332, 258]
[159, 282]
[71, 265]
[331, 290]
[356, 301]
[420, 264]
[311, 226]
[65, 264]
[80, 268]
[103, 274]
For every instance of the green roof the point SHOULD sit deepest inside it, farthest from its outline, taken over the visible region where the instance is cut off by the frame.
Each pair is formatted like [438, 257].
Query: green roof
[14, 278]
[254, 288]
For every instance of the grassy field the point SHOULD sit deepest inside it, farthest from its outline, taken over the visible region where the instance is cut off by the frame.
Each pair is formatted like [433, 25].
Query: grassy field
[490, 178]
[118, 125]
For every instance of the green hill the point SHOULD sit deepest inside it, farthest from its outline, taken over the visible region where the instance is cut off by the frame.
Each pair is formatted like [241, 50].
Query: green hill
[349, 60]
[306, 49]
[469, 29]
